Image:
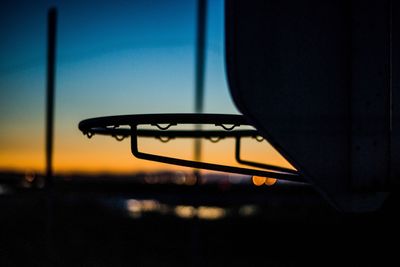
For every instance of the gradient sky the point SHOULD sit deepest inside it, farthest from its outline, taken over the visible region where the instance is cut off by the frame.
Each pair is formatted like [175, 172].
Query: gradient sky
[113, 58]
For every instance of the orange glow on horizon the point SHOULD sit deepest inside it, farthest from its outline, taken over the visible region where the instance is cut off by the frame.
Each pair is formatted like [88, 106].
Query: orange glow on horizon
[75, 153]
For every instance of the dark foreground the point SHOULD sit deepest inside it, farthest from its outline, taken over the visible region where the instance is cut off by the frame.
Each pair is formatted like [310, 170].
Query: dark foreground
[90, 226]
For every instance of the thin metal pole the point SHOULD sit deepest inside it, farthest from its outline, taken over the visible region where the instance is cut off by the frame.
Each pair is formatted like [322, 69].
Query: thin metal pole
[200, 68]
[198, 107]
[200, 54]
[49, 180]
[51, 50]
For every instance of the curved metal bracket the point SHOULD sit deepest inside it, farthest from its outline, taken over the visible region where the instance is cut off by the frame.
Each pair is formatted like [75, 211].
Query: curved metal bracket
[111, 126]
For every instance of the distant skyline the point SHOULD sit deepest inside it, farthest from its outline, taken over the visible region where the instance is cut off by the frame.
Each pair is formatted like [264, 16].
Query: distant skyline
[113, 57]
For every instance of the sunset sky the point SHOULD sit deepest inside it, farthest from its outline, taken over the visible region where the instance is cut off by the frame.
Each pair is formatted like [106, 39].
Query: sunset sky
[113, 58]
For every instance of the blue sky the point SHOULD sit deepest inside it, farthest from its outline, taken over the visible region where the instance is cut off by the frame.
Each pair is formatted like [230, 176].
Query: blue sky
[113, 57]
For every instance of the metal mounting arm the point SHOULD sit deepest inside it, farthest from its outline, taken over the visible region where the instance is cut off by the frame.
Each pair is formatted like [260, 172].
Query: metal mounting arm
[112, 126]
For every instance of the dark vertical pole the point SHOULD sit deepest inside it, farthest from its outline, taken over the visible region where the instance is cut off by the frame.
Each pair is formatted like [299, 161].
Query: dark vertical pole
[200, 54]
[198, 107]
[51, 54]
[200, 67]
[51, 50]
